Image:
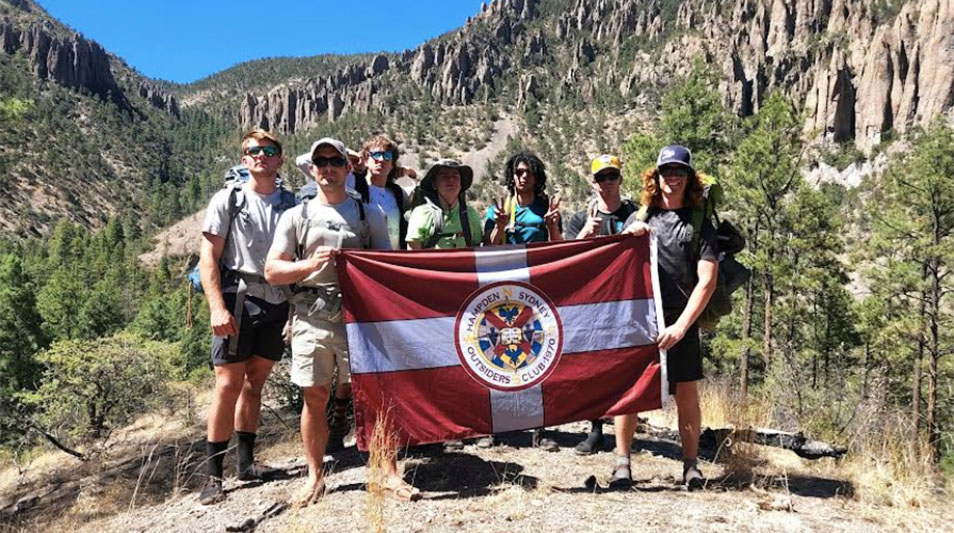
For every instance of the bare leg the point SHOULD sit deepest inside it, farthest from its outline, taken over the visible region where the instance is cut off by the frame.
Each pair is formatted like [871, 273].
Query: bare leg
[314, 430]
[249, 407]
[625, 429]
[229, 380]
[690, 417]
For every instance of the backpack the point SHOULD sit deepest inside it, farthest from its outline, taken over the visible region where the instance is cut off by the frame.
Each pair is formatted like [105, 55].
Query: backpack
[732, 274]
[439, 223]
[363, 231]
[235, 178]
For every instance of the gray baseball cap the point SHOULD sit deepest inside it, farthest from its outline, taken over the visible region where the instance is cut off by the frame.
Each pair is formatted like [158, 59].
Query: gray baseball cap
[328, 141]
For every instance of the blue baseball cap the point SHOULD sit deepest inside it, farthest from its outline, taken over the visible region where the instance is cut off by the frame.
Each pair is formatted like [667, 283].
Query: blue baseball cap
[675, 155]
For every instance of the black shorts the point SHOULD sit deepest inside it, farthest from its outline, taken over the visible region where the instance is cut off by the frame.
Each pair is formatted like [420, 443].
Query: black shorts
[684, 361]
[260, 333]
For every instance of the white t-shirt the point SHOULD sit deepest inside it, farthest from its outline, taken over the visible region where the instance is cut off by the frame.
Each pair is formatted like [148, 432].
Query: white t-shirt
[383, 198]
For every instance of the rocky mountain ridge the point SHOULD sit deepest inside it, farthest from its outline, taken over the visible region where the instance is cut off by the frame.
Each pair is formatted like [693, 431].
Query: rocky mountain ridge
[859, 71]
[69, 59]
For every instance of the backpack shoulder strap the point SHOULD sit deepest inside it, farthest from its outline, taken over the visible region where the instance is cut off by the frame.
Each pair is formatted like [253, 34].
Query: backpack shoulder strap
[302, 232]
[643, 214]
[698, 217]
[465, 222]
[364, 227]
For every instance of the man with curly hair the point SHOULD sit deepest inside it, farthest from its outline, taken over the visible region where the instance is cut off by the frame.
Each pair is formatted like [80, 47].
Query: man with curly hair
[528, 215]
[688, 267]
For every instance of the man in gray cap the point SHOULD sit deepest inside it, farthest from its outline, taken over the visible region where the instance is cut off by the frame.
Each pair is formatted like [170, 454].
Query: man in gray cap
[445, 220]
[301, 253]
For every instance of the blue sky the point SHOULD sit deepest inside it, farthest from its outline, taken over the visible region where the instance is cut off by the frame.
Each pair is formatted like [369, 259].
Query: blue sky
[185, 40]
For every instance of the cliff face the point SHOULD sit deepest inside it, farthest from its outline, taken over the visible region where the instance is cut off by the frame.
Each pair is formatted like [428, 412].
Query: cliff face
[69, 59]
[859, 72]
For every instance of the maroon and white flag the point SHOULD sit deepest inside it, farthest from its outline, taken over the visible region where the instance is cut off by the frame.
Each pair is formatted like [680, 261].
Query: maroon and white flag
[454, 344]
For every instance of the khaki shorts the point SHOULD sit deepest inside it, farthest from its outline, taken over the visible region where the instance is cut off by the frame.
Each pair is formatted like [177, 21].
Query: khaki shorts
[318, 346]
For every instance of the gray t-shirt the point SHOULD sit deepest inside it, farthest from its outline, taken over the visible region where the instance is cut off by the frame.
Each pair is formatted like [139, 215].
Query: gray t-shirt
[338, 226]
[251, 235]
[677, 263]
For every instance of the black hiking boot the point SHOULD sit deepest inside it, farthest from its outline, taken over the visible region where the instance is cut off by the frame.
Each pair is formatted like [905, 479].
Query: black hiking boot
[212, 492]
[692, 476]
[593, 442]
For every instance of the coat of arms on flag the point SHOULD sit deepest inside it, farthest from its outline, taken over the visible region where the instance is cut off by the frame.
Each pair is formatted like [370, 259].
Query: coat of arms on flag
[460, 343]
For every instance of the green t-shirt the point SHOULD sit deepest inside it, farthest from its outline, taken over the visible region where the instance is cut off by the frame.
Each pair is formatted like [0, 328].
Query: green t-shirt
[421, 227]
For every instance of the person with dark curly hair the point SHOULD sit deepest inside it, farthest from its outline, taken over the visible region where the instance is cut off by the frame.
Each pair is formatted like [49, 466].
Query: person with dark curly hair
[528, 214]
[688, 268]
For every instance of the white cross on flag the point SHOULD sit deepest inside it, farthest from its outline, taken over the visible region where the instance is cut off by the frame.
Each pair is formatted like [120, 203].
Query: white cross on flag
[455, 344]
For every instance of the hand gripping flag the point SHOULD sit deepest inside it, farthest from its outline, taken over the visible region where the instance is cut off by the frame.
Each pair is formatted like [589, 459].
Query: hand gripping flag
[452, 344]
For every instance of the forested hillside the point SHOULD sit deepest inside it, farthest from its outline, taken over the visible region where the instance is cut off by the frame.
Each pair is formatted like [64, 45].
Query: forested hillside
[845, 330]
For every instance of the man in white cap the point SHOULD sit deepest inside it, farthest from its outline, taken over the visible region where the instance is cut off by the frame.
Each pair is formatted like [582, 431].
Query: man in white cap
[301, 253]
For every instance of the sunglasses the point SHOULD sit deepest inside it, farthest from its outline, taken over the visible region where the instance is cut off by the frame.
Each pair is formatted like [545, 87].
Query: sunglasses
[269, 151]
[520, 172]
[382, 156]
[329, 161]
[606, 176]
[674, 172]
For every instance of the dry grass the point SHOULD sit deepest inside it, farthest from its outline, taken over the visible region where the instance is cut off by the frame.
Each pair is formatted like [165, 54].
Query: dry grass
[888, 469]
[382, 452]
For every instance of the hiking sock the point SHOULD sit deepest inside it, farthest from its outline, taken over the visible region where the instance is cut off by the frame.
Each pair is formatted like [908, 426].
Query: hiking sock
[246, 450]
[216, 453]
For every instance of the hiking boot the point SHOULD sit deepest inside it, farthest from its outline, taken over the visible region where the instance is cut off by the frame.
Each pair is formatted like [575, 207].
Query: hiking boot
[453, 445]
[212, 492]
[622, 478]
[335, 443]
[592, 444]
[256, 472]
[692, 477]
[486, 442]
[338, 427]
[546, 444]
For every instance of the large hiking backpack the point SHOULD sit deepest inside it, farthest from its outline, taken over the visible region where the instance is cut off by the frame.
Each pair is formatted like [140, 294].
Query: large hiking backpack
[235, 178]
[732, 274]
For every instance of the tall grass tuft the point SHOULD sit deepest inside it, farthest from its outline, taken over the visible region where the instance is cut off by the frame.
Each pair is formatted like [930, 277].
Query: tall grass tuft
[382, 452]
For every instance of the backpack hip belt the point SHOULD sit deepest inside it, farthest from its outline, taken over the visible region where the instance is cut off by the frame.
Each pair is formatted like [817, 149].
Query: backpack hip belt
[322, 303]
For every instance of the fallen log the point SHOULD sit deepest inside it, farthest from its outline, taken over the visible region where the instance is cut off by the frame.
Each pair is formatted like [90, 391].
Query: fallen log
[714, 438]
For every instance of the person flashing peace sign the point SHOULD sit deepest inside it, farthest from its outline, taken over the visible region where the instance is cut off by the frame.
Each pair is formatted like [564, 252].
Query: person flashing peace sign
[527, 215]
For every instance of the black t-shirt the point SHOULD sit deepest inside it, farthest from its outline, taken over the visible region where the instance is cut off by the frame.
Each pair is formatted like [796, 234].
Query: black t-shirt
[613, 223]
[677, 263]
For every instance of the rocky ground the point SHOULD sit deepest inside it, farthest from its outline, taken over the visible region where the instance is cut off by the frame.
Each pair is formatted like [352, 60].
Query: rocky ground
[508, 487]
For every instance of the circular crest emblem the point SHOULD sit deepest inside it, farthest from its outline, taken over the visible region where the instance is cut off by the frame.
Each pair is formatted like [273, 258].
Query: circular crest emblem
[509, 336]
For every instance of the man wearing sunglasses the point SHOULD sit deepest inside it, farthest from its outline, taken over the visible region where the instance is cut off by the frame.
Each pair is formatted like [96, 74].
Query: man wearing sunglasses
[688, 268]
[246, 314]
[604, 215]
[302, 253]
[376, 184]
